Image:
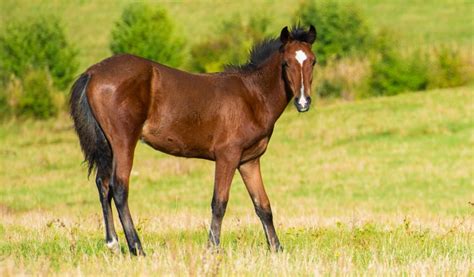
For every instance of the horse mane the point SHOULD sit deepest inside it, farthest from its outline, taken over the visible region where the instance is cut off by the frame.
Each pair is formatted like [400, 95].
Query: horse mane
[261, 51]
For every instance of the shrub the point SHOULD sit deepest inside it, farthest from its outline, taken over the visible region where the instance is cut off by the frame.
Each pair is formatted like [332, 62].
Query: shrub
[447, 68]
[341, 78]
[147, 31]
[4, 107]
[342, 28]
[226, 47]
[37, 43]
[37, 98]
[394, 73]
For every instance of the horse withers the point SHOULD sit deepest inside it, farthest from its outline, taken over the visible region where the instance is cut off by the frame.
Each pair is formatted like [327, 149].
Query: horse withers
[226, 117]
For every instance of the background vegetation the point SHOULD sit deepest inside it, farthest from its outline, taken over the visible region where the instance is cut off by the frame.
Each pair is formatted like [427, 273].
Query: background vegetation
[353, 38]
[147, 30]
[376, 186]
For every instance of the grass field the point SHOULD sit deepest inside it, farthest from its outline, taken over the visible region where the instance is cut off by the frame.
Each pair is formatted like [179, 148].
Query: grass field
[375, 187]
[380, 186]
[88, 23]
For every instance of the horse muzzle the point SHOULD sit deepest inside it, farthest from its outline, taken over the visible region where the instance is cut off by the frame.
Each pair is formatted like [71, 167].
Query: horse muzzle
[302, 104]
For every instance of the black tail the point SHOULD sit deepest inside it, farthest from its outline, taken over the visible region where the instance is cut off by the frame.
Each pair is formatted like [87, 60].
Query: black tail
[96, 148]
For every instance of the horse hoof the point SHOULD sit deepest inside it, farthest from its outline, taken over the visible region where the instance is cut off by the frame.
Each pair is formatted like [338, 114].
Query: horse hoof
[137, 252]
[114, 246]
[277, 248]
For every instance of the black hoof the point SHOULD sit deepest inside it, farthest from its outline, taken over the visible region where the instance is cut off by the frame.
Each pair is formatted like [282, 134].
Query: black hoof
[137, 252]
[277, 248]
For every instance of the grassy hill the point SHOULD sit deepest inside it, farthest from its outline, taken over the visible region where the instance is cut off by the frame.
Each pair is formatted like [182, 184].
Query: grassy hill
[88, 23]
[377, 186]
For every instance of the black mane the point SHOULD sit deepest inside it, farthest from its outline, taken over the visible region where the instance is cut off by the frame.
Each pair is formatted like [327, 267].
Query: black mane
[261, 51]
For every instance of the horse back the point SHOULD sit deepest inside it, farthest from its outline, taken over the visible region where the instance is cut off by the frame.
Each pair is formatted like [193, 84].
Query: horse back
[173, 111]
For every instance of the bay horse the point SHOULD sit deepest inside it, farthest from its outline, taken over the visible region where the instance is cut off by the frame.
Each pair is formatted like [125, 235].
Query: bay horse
[226, 117]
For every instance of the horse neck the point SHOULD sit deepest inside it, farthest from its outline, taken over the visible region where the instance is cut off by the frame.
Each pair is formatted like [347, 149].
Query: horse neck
[270, 91]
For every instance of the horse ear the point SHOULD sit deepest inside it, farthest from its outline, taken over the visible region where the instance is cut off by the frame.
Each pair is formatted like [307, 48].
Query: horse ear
[285, 35]
[311, 36]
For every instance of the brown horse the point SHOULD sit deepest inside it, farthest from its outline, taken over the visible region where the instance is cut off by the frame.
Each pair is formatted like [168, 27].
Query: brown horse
[225, 117]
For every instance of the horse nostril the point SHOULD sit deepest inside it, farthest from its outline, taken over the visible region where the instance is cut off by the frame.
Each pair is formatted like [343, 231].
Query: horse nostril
[308, 99]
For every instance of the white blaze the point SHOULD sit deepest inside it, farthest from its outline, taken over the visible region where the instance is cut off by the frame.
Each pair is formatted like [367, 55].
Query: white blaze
[301, 57]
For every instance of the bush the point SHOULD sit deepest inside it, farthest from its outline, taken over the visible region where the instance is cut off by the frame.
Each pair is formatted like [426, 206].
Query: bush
[147, 31]
[342, 78]
[225, 48]
[38, 97]
[37, 43]
[4, 107]
[342, 28]
[394, 73]
[447, 68]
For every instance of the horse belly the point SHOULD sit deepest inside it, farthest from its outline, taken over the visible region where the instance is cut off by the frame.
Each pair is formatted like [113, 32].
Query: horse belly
[186, 144]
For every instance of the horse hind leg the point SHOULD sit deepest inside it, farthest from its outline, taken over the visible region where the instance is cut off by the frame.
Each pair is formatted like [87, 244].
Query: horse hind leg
[105, 196]
[123, 161]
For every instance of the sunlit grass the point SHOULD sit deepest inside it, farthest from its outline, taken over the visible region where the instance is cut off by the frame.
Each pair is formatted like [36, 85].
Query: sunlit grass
[64, 247]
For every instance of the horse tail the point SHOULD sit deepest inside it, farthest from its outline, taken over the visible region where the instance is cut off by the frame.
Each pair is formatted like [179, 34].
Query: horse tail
[94, 144]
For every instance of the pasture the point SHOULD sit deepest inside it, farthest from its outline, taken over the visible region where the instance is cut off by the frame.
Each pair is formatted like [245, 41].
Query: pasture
[382, 186]
[377, 186]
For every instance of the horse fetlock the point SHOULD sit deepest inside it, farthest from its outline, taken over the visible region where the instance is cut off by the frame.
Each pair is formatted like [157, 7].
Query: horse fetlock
[276, 247]
[113, 245]
[214, 238]
[137, 250]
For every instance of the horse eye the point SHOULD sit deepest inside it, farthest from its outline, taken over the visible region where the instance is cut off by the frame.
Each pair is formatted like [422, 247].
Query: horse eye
[314, 62]
[285, 64]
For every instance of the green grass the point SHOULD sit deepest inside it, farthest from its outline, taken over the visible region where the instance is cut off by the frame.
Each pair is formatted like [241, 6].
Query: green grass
[88, 23]
[380, 186]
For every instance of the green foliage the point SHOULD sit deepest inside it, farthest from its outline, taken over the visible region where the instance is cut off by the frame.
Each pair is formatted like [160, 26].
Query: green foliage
[342, 28]
[146, 30]
[227, 47]
[4, 108]
[394, 73]
[37, 43]
[447, 69]
[38, 96]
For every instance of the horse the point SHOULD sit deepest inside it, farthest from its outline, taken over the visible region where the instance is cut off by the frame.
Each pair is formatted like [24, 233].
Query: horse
[226, 117]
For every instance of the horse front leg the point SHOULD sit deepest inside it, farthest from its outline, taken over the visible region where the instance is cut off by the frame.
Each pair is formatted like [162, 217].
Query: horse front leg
[226, 164]
[252, 178]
